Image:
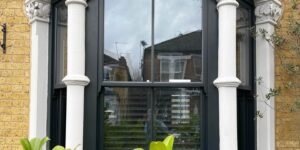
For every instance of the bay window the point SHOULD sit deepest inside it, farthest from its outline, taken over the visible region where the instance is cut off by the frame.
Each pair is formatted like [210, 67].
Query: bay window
[151, 64]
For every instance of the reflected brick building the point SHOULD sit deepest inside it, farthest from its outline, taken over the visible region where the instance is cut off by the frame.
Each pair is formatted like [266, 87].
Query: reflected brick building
[177, 58]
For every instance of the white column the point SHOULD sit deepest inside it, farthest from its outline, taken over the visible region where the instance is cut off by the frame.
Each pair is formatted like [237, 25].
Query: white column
[75, 79]
[267, 13]
[38, 13]
[227, 82]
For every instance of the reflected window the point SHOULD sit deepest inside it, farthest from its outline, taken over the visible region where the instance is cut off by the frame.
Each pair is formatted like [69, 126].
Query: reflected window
[172, 67]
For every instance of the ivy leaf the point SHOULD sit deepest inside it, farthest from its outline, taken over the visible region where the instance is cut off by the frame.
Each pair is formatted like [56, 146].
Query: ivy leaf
[272, 93]
[259, 114]
[259, 80]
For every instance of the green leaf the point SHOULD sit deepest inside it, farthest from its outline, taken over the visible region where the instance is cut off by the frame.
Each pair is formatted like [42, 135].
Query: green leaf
[157, 146]
[58, 147]
[168, 141]
[25, 144]
[42, 142]
[35, 143]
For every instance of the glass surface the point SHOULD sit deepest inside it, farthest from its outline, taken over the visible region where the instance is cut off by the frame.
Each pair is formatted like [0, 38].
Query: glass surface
[177, 111]
[125, 118]
[127, 31]
[243, 45]
[61, 43]
[178, 41]
[131, 118]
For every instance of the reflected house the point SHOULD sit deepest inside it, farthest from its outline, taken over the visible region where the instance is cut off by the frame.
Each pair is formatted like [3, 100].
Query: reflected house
[115, 70]
[176, 109]
[177, 112]
[178, 59]
[115, 98]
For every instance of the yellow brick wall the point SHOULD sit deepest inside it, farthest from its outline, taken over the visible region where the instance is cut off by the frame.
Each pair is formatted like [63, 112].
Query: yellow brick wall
[287, 116]
[14, 75]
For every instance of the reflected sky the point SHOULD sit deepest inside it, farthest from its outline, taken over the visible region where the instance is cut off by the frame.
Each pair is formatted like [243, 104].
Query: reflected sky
[128, 22]
[176, 17]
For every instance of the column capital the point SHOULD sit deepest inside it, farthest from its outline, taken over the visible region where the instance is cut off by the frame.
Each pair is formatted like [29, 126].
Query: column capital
[268, 11]
[227, 2]
[37, 10]
[82, 2]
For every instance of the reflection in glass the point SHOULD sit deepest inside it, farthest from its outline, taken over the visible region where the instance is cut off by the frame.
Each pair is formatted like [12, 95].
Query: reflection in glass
[178, 41]
[127, 31]
[125, 118]
[177, 112]
[131, 119]
[61, 43]
[243, 44]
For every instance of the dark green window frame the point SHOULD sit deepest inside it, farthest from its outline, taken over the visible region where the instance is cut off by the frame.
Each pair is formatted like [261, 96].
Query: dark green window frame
[93, 130]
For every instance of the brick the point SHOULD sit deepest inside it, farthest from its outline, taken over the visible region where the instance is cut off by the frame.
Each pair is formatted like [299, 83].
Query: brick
[290, 144]
[14, 75]
[287, 121]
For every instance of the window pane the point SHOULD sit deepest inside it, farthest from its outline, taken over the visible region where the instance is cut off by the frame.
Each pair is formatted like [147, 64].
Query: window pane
[125, 118]
[61, 43]
[127, 33]
[178, 37]
[131, 118]
[177, 111]
[243, 45]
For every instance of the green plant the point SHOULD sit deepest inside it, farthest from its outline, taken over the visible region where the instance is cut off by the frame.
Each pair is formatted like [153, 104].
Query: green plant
[37, 144]
[58, 147]
[34, 144]
[166, 144]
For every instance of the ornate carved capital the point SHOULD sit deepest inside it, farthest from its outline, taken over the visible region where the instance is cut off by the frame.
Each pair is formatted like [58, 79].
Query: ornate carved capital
[268, 11]
[37, 10]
